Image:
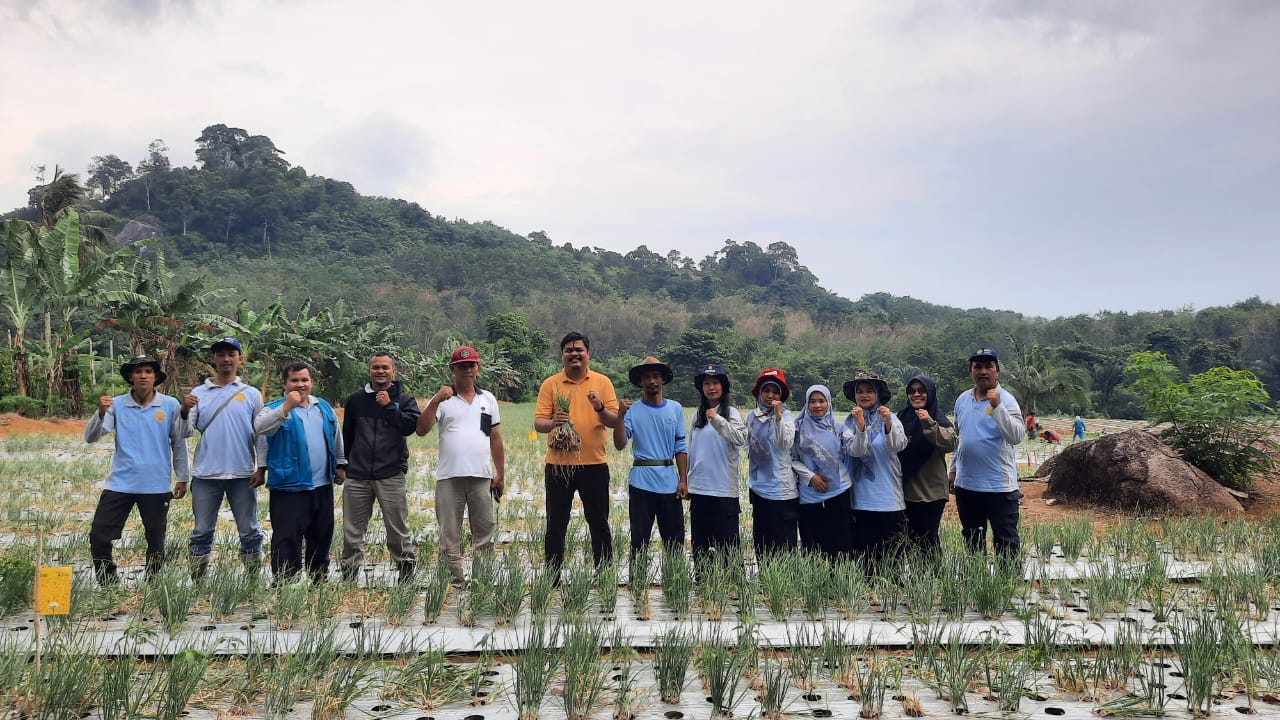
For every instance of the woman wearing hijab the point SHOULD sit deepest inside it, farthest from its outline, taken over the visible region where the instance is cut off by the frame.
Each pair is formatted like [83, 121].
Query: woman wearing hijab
[930, 436]
[716, 437]
[874, 436]
[823, 478]
[771, 431]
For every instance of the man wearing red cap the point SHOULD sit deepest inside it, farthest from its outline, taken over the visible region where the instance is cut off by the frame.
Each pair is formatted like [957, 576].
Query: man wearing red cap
[472, 465]
[376, 421]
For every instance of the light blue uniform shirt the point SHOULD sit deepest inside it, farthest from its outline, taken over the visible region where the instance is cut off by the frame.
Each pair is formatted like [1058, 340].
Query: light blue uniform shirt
[150, 443]
[987, 459]
[656, 432]
[715, 453]
[227, 448]
[317, 452]
[877, 483]
[769, 444]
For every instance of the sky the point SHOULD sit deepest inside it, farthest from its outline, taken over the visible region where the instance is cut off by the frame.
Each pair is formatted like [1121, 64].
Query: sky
[1052, 158]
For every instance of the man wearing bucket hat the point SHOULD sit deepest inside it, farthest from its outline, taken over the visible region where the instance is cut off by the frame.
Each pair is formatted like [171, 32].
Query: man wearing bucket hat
[659, 477]
[150, 440]
[775, 500]
[228, 457]
[472, 468]
[990, 425]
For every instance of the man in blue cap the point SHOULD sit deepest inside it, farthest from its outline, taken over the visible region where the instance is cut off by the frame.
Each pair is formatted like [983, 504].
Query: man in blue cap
[985, 466]
[228, 458]
[150, 439]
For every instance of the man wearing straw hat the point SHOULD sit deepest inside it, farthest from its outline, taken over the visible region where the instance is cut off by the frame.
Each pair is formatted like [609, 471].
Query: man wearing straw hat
[150, 440]
[659, 477]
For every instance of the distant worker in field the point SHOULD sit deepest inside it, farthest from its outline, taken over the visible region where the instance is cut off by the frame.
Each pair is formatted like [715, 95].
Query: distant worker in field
[229, 458]
[304, 459]
[1050, 437]
[1033, 426]
[150, 444]
[1077, 429]
[375, 422]
[471, 470]
[574, 408]
[990, 426]
[717, 435]
[659, 477]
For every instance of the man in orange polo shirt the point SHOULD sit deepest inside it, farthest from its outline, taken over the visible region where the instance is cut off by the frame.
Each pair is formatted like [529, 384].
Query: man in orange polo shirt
[576, 448]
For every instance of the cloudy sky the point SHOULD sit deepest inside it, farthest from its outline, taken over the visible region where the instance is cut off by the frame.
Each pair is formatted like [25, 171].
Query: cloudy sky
[1052, 158]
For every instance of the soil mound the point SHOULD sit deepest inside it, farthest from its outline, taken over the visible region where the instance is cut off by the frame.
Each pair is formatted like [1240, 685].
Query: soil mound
[1135, 471]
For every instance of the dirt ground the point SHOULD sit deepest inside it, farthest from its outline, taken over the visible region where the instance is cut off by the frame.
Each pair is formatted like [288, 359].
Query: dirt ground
[1263, 501]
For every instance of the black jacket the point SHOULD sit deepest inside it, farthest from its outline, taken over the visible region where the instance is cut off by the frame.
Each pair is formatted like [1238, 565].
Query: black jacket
[374, 436]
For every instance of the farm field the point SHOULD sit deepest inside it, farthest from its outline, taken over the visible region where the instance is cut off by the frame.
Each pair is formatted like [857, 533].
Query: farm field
[1127, 617]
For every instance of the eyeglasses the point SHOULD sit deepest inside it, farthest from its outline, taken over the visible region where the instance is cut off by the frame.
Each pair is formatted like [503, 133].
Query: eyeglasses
[917, 391]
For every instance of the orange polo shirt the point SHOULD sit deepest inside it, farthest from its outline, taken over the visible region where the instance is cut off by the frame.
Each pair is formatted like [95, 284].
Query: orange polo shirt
[595, 436]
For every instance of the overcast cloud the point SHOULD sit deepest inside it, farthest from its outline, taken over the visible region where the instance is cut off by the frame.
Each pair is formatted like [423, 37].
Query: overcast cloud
[1052, 158]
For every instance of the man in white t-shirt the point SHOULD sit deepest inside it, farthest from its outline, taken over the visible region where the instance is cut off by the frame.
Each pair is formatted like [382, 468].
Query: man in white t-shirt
[471, 467]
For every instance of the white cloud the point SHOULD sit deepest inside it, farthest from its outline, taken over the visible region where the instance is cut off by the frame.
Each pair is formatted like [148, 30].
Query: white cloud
[1065, 144]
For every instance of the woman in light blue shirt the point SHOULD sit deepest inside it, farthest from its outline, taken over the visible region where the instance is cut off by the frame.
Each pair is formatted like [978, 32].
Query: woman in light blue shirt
[823, 478]
[874, 435]
[716, 438]
[771, 431]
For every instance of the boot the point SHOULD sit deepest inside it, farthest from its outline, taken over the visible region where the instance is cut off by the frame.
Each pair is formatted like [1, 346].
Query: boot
[350, 574]
[252, 562]
[105, 571]
[199, 567]
[406, 570]
[155, 563]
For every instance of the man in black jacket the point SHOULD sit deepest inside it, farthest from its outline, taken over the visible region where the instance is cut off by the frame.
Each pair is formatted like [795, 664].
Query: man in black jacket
[377, 419]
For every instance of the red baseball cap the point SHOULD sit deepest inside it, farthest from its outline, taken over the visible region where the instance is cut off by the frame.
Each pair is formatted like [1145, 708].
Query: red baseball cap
[464, 354]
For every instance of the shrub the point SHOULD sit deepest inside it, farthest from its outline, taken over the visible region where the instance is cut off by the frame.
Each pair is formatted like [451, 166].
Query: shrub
[1219, 420]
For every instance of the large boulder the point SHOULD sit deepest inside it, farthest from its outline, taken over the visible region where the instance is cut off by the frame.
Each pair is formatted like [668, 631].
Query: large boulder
[1135, 471]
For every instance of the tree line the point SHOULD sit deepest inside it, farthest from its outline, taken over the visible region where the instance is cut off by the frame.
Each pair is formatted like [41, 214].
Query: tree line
[388, 273]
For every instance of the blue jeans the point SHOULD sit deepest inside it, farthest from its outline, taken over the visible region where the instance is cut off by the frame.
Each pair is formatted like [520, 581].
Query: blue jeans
[206, 501]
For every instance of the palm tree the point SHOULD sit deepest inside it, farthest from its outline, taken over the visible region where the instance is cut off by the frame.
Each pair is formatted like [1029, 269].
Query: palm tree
[1036, 381]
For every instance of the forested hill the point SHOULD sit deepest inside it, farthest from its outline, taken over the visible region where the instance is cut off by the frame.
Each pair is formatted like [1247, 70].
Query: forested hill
[248, 220]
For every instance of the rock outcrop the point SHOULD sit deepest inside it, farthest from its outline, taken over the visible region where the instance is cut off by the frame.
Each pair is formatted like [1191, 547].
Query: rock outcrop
[1135, 471]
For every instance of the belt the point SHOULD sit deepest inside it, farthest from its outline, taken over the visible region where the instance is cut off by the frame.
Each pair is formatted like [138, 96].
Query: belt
[653, 463]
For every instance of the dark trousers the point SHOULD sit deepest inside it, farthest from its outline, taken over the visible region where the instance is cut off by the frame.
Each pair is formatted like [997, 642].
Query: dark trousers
[923, 521]
[997, 509]
[645, 506]
[877, 535]
[591, 482]
[301, 530]
[774, 524]
[713, 523]
[108, 524]
[827, 527]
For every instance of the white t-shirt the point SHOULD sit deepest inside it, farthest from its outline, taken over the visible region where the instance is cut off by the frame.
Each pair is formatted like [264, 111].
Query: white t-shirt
[464, 448]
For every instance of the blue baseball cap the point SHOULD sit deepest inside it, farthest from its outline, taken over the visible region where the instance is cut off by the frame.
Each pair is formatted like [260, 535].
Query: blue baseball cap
[227, 342]
[985, 353]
